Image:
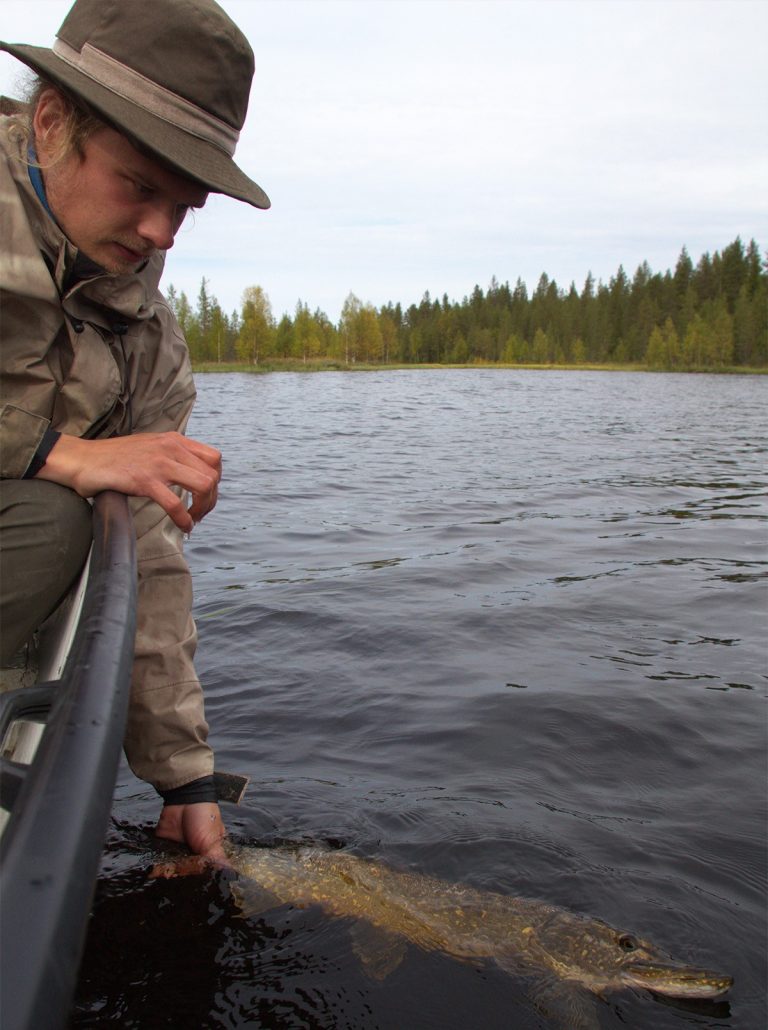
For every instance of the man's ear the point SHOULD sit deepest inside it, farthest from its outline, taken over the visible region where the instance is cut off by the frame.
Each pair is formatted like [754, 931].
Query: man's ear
[48, 123]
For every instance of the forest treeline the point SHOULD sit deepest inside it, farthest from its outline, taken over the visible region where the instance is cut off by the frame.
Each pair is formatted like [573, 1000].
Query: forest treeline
[708, 315]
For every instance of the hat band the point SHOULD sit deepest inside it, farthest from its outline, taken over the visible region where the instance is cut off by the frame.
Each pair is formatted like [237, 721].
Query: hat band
[148, 95]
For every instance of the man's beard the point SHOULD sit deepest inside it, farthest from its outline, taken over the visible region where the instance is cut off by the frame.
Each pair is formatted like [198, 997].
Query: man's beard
[116, 265]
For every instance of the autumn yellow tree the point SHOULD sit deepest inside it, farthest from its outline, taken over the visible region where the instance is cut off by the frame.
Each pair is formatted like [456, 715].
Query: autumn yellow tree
[361, 331]
[256, 338]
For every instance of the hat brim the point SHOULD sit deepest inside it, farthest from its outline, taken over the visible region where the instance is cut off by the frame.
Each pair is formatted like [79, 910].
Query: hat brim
[193, 157]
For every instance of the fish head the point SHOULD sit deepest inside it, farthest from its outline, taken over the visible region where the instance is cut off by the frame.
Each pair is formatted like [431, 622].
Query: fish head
[603, 958]
[676, 980]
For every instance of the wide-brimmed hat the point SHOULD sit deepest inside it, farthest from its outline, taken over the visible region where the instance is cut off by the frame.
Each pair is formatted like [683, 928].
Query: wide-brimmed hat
[173, 75]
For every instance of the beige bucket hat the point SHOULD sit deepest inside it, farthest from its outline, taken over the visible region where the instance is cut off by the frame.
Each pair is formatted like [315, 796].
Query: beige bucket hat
[173, 75]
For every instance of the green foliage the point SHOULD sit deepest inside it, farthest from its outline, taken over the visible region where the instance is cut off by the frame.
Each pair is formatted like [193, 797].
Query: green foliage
[711, 315]
[257, 333]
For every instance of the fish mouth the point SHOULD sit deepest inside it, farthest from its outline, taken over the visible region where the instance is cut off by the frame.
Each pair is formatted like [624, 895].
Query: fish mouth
[678, 981]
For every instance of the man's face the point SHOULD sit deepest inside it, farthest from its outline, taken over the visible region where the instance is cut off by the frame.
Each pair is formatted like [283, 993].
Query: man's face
[115, 204]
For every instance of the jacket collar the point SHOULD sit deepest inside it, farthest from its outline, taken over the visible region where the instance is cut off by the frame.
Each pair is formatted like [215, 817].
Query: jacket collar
[72, 272]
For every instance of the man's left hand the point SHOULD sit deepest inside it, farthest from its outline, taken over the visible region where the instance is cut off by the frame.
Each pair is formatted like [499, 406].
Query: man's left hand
[198, 825]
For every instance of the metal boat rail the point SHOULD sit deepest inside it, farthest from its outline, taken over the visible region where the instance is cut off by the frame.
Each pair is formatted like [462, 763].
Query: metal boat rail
[58, 800]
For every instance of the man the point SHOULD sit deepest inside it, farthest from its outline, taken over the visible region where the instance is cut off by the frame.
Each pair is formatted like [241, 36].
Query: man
[133, 121]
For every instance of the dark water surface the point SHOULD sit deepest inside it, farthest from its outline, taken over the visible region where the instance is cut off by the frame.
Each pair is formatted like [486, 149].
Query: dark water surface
[506, 628]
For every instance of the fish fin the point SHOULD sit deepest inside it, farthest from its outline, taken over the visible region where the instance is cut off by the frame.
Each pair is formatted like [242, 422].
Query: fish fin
[253, 900]
[515, 964]
[379, 951]
[565, 1004]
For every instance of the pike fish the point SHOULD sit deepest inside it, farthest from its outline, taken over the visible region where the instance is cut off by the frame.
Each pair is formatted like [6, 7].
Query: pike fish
[572, 958]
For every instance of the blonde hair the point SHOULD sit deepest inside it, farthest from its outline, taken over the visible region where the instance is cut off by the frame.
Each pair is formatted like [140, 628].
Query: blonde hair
[79, 122]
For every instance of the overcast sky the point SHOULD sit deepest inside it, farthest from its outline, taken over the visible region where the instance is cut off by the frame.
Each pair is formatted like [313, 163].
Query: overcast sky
[430, 145]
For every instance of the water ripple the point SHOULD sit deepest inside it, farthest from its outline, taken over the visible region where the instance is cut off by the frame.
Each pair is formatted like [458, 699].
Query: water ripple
[506, 628]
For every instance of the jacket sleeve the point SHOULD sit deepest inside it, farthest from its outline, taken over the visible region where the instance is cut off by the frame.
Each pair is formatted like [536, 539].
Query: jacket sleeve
[166, 736]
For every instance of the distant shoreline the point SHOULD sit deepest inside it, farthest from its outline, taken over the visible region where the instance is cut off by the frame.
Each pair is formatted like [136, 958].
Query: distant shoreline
[704, 317]
[297, 365]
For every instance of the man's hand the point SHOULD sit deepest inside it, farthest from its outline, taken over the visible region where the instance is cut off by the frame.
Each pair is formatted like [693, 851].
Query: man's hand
[142, 465]
[199, 826]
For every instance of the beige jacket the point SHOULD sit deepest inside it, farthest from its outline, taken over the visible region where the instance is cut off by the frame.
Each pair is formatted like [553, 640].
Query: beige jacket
[126, 371]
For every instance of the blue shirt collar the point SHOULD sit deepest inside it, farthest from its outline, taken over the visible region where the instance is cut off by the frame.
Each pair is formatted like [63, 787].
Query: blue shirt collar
[36, 178]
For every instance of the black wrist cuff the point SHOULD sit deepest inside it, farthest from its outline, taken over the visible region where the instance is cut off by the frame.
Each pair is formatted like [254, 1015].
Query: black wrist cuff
[192, 793]
[50, 437]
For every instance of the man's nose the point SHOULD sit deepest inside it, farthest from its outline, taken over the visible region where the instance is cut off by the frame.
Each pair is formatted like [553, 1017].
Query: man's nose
[158, 227]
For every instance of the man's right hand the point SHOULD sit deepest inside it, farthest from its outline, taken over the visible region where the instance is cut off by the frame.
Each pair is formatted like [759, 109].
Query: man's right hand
[142, 465]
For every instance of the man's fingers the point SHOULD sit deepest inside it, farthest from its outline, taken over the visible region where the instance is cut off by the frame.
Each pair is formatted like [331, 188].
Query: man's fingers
[202, 460]
[210, 455]
[172, 505]
[203, 503]
[142, 465]
[158, 489]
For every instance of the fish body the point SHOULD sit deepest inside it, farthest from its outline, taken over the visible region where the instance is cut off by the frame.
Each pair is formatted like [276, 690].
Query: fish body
[573, 957]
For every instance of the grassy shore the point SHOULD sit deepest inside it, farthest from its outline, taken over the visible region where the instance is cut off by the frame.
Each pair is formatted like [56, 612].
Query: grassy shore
[327, 365]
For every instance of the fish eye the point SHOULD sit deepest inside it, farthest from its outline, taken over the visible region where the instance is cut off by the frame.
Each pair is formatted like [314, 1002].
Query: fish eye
[627, 942]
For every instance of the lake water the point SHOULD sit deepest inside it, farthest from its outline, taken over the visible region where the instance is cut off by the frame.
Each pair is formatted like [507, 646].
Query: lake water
[499, 627]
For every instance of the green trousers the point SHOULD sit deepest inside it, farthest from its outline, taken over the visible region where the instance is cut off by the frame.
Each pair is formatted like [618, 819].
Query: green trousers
[45, 535]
